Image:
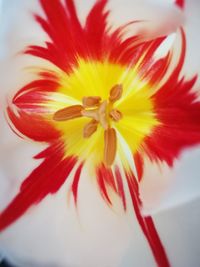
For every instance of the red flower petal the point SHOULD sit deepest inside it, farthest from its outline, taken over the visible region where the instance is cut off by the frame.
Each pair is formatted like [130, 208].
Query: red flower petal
[33, 126]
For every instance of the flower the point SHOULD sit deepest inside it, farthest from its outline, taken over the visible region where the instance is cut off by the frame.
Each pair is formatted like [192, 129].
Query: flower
[103, 98]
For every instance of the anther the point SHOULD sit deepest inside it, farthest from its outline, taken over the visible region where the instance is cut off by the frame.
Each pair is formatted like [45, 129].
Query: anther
[115, 114]
[110, 146]
[99, 113]
[68, 113]
[116, 92]
[91, 101]
[90, 128]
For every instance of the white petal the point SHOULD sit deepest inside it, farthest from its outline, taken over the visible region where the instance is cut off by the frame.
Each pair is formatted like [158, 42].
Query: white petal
[22, 29]
[192, 64]
[1, 1]
[154, 184]
[54, 233]
[179, 231]
[160, 17]
[178, 228]
[16, 161]
[163, 188]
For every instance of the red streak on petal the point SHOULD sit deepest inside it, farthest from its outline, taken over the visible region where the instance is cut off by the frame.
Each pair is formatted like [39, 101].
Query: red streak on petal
[121, 49]
[180, 3]
[120, 186]
[73, 14]
[65, 32]
[49, 83]
[150, 49]
[34, 126]
[46, 179]
[108, 176]
[31, 96]
[95, 35]
[147, 224]
[101, 174]
[155, 72]
[138, 160]
[76, 182]
[67, 37]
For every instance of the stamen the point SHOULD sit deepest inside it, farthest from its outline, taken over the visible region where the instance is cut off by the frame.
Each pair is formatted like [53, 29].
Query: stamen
[116, 115]
[116, 92]
[90, 128]
[110, 146]
[91, 101]
[68, 113]
[100, 113]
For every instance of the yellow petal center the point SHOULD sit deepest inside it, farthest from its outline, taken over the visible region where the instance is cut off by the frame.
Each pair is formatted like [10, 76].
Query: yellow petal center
[101, 112]
[97, 97]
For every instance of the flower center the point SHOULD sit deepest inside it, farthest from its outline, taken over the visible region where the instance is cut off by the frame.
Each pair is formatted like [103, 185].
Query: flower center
[101, 113]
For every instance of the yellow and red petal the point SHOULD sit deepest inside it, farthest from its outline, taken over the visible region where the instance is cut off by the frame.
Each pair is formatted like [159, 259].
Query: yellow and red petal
[33, 126]
[95, 66]
[159, 111]
[178, 111]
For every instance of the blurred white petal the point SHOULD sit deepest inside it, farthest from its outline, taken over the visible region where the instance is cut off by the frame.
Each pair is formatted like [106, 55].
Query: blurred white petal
[179, 230]
[160, 17]
[16, 161]
[192, 63]
[163, 188]
[154, 184]
[57, 234]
